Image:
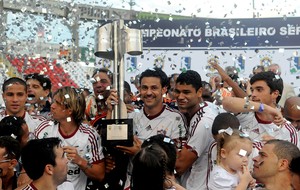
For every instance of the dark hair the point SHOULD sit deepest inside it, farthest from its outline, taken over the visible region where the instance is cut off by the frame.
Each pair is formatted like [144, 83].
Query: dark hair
[12, 125]
[44, 81]
[273, 81]
[259, 67]
[149, 168]
[223, 121]
[127, 87]
[12, 147]
[295, 165]
[158, 73]
[168, 145]
[36, 154]
[190, 77]
[14, 80]
[284, 149]
[106, 71]
[207, 92]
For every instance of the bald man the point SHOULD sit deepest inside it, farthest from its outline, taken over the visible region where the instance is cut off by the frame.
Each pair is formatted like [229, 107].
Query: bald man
[291, 111]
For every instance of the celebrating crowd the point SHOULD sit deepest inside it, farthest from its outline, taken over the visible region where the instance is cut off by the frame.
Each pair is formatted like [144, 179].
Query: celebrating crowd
[186, 133]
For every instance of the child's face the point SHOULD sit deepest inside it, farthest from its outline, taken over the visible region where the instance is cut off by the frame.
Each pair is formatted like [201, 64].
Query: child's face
[234, 159]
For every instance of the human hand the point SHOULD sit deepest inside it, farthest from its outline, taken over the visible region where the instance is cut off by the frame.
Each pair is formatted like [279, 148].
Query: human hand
[112, 99]
[130, 108]
[137, 143]
[72, 154]
[245, 176]
[109, 164]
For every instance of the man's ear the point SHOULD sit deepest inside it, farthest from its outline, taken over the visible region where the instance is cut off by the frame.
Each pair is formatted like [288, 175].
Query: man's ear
[164, 90]
[49, 169]
[47, 91]
[275, 94]
[283, 164]
[13, 163]
[199, 92]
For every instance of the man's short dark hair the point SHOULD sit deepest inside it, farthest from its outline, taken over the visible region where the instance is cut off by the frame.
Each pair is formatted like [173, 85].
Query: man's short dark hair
[44, 81]
[36, 154]
[284, 149]
[157, 73]
[14, 80]
[12, 125]
[190, 77]
[273, 81]
[12, 147]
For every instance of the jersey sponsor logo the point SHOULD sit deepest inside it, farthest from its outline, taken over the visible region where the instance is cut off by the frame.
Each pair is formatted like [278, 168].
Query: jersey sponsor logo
[74, 172]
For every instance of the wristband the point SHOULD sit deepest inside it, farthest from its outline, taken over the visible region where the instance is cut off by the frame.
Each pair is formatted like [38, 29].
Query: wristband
[261, 108]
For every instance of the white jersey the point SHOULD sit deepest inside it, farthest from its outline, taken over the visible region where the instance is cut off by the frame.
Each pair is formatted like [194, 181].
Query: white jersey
[256, 128]
[168, 122]
[32, 121]
[88, 144]
[199, 139]
[221, 179]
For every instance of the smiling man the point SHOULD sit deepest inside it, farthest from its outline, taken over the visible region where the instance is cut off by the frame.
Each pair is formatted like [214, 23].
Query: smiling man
[192, 159]
[15, 96]
[271, 166]
[155, 117]
[261, 118]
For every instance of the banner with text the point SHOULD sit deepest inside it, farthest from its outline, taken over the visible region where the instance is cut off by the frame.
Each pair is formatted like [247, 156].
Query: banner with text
[220, 33]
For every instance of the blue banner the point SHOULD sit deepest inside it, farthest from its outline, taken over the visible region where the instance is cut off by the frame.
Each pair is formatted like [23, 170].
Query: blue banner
[220, 33]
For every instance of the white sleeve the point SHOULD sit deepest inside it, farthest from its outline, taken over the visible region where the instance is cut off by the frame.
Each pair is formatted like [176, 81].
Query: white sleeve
[201, 138]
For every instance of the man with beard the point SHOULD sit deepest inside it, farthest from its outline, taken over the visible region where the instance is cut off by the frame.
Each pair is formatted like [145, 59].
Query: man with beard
[95, 103]
[38, 90]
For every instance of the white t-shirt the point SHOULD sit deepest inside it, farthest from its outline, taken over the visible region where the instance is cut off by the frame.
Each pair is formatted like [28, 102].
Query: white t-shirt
[88, 144]
[32, 121]
[168, 122]
[199, 139]
[256, 128]
[220, 179]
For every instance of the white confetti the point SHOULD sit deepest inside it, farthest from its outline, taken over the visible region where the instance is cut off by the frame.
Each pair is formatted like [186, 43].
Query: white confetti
[242, 152]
